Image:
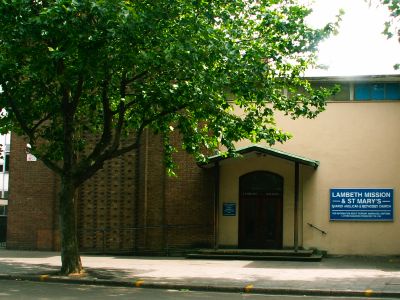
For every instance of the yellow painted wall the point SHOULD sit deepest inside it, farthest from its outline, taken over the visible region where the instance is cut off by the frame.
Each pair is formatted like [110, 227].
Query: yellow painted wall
[358, 146]
[230, 172]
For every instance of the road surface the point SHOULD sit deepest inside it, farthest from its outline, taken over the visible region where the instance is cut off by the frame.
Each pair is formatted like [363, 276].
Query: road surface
[21, 290]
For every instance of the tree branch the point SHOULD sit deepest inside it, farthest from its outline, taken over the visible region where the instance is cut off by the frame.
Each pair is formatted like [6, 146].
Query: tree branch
[122, 87]
[144, 124]
[136, 77]
[118, 128]
[21, 120]
[51, 165]
[40, 122]
[31, 134]
[68, 129]
[85, 172]
[88, 168]
[78, 93]
[130, 147]
[107, 123]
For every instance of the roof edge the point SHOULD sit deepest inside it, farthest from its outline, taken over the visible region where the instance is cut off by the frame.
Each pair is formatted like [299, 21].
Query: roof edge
[265, 150]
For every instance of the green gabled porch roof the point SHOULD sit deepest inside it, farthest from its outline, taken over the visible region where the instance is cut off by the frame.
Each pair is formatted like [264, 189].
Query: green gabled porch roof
[268, 151]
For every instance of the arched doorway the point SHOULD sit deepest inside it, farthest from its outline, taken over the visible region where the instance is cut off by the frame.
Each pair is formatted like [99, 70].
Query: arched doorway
[260, 210]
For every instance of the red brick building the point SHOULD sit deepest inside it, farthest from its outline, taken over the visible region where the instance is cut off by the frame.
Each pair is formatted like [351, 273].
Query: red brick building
[129, 206]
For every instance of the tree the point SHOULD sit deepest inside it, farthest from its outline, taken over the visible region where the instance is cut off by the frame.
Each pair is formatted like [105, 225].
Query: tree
[394, 8]
[73, 69]
[391, 25]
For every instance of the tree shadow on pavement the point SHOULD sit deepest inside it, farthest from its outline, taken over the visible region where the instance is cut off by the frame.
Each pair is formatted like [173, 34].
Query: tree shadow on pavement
[383, 263]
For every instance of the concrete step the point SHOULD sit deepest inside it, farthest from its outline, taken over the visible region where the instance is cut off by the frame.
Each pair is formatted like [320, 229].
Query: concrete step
[311, 258]
[257, 252]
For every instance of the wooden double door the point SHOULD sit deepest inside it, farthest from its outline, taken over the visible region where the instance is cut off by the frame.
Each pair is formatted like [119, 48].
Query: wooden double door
[260, 211]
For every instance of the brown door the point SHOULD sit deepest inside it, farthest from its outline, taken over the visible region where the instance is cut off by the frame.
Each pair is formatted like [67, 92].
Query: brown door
[260, 211]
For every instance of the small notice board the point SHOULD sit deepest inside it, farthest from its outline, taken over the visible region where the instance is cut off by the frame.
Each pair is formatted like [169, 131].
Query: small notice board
[229, 209]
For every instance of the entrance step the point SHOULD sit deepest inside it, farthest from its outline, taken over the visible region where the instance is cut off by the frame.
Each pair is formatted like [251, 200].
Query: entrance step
[256, 254]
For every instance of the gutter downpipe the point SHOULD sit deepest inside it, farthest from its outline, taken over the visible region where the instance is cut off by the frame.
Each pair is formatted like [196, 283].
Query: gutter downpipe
[136, 197]
[216, 204]
[296, 206]
[145, 187]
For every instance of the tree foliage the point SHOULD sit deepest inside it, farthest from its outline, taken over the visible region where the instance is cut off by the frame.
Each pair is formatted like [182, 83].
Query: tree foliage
[392, 24]
[110, 69]
[394, 8]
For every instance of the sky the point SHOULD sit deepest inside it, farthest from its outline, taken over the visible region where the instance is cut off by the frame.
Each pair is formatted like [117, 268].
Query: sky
[360, 48]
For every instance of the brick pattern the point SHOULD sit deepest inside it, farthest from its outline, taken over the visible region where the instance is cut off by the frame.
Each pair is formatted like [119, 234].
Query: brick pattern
[105, 207]
[131, 205]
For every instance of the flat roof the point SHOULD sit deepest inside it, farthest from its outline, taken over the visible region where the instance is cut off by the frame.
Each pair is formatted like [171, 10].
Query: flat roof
[268, 151]
[355, 78]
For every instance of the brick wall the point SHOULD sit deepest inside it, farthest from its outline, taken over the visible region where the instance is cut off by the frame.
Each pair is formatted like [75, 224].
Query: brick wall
[178, 210]
[189, 203]
[151, 198]
[131, 205]
[32, 201]
[105, 209]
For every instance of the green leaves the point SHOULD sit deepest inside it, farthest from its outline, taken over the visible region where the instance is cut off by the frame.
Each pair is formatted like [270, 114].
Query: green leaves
[391, 25]
[214, 70]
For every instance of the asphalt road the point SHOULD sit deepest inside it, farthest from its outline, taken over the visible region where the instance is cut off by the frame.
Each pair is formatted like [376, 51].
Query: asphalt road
[44, 291]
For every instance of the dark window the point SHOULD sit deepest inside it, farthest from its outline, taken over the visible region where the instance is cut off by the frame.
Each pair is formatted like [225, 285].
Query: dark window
[7, 163]
[342, 95]
[392, 91]
[377, 91]
[361, 92]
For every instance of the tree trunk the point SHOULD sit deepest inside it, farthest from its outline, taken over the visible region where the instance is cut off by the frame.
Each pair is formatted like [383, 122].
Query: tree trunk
[70, 258]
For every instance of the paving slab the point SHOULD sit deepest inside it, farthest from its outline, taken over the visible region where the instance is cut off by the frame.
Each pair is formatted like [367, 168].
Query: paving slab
[342, 276]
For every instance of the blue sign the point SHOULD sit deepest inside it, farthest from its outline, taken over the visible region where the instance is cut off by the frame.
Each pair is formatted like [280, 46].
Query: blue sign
[361, 204]
[229, 209]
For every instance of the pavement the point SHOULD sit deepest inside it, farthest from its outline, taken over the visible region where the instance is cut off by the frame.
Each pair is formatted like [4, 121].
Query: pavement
[333, 276]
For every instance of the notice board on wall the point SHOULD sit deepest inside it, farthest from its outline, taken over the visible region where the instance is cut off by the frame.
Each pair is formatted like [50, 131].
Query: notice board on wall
[361, 204]
[229, 209]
